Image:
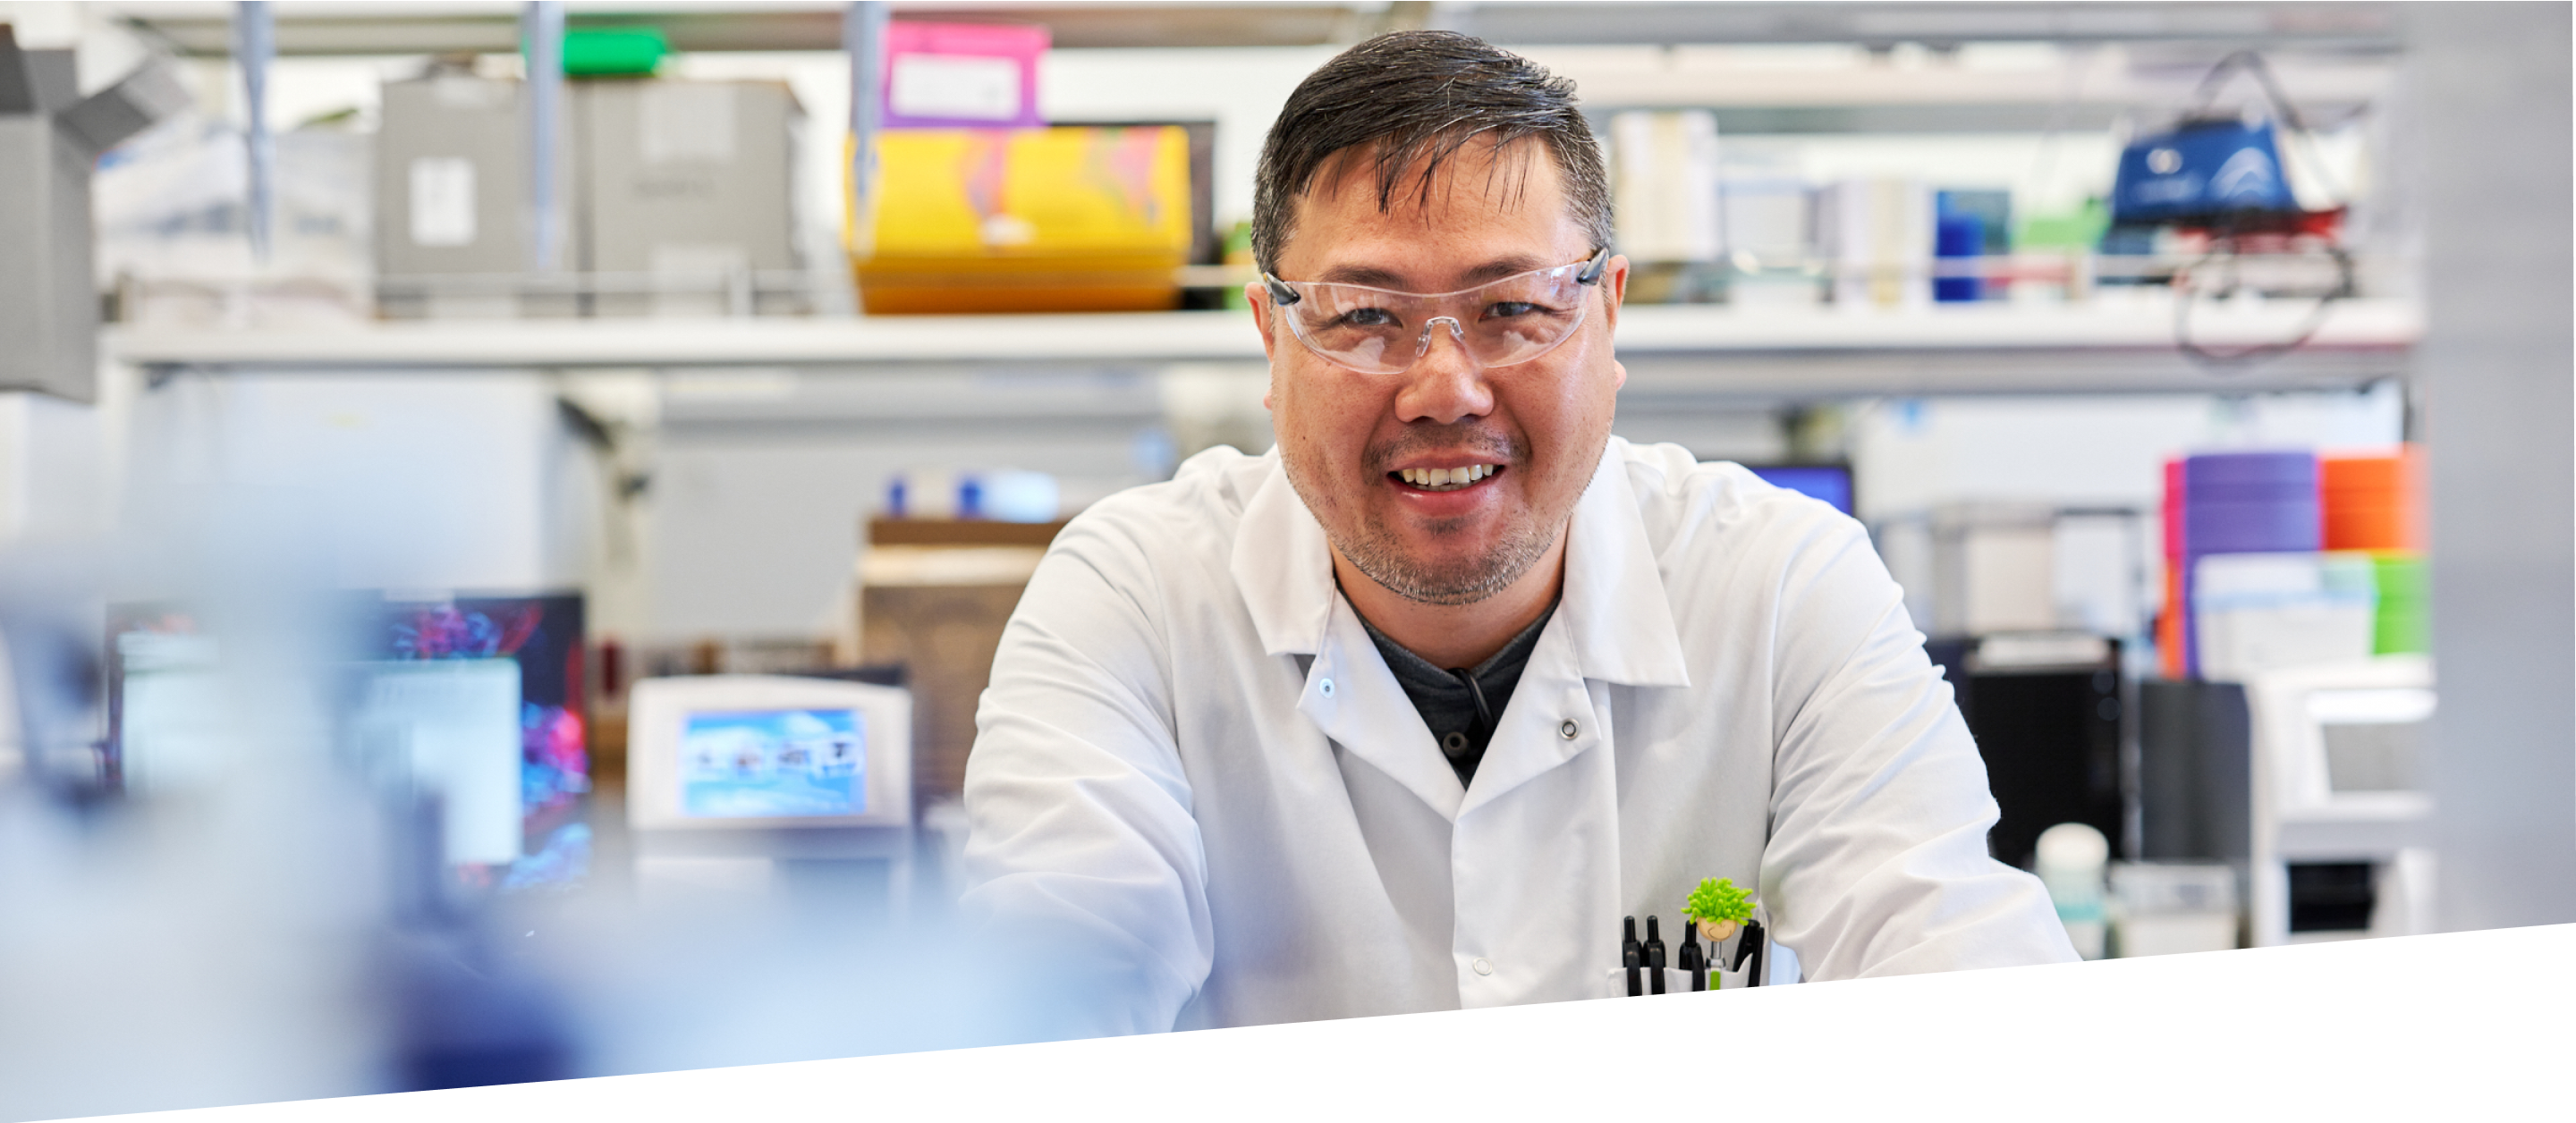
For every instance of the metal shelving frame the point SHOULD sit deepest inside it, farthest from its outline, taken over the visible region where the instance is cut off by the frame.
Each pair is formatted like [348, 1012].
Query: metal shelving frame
[1747, 356]
[1697, 350]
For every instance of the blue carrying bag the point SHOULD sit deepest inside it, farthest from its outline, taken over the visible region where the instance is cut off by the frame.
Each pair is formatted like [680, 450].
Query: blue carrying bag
[2201, 170]
[2211, 167]
[2223, 173]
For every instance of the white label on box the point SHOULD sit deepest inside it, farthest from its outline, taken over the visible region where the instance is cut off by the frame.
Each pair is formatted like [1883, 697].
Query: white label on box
[686, 122]
[961, 86]
[442, 201]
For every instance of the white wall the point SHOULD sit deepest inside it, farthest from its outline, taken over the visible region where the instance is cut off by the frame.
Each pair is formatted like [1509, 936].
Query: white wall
[762, 479]
[1912, 454]
[428, 481]
[54, 469]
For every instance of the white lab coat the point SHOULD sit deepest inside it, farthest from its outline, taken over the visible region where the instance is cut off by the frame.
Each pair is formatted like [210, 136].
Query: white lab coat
[1192, 757]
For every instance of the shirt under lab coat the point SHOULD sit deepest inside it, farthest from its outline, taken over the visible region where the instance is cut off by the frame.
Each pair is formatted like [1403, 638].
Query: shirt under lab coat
[1192, 760]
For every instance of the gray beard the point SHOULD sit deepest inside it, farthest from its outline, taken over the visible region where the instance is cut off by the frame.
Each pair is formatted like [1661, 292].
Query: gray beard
[1375, 554]
[1379, 554]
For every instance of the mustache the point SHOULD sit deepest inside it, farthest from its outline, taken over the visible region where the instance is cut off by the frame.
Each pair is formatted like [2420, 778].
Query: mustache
[1464, 438]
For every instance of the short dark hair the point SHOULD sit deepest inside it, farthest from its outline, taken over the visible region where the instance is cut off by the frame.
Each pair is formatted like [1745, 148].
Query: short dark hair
[1419, 97]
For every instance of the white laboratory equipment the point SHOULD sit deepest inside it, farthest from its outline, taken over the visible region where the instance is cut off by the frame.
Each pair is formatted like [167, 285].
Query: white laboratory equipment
[2173, 908]
[751, 783]
[2071, 858]
[2341, 819]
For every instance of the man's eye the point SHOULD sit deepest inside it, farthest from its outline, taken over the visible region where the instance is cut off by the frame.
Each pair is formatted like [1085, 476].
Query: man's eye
[1508, 309]
[1366, 318]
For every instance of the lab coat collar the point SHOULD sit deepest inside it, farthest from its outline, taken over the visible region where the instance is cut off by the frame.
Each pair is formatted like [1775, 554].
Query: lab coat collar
[1614, 592]
[1623, 630]
[1284, 566]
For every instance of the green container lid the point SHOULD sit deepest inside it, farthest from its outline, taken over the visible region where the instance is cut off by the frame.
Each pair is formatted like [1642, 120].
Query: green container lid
[610, 52]
[2079, 229]
[2404, 624]
[2402, 630]
[2400, 574]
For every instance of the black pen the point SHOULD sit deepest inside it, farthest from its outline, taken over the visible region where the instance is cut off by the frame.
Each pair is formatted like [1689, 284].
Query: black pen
[1654, 956]
[1750, 947]
[1691, 959]
[1632, 957]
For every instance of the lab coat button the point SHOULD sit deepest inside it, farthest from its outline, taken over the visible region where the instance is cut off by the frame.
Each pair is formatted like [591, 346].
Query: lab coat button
[1569, 729]
[1325, 686]
[1484, 966]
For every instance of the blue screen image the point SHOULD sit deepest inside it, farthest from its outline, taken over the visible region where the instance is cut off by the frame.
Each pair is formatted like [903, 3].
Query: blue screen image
[1829, 482]
[773, 764]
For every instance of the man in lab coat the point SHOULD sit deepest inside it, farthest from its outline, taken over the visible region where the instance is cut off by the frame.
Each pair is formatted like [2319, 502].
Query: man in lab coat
[1407, 713]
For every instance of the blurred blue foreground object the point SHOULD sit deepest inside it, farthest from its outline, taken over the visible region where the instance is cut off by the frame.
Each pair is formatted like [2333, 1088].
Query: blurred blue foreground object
[48, 610]
[1809, 1054]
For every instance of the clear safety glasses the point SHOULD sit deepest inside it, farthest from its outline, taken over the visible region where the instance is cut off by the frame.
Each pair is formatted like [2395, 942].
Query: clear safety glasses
[1381, 331]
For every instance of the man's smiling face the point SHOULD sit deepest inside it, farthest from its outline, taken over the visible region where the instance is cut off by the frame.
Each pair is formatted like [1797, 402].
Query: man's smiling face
[1384, 460]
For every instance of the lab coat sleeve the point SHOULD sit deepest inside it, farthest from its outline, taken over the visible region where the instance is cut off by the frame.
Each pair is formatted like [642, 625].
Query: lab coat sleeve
[1081, 844]
[1877, 861]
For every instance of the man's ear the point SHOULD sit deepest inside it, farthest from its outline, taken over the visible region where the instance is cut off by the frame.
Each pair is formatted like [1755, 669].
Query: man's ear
[1614, 289]
[1258, 295]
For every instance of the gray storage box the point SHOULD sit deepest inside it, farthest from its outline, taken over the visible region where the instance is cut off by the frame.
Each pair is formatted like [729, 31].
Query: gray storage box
[451, 185]
[679, 194]
[687, 193]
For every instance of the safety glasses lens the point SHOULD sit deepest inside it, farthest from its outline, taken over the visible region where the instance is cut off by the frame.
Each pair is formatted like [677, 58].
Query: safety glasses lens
[1380, 331]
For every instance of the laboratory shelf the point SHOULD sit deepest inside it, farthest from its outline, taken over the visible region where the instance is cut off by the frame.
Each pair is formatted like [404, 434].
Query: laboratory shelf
[1810, 354]
[1090, 339]
[1785, 353]
[2121, 324]
[812, 25]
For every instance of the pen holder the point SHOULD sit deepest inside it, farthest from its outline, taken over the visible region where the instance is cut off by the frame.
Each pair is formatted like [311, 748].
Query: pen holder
[1724, 990]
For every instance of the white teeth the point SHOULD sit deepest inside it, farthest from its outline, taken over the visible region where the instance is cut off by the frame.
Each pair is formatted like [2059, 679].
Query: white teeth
[1446, 477]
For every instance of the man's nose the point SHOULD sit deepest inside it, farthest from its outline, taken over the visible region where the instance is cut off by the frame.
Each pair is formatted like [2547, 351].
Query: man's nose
[1446, 383]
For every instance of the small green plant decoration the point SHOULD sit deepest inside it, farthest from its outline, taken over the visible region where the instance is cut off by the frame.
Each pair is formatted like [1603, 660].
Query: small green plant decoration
[1719, 907]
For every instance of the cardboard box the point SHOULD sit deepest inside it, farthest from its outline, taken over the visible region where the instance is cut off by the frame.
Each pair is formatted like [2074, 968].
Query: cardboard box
[50, 138]
[935, 597]
[48, 303]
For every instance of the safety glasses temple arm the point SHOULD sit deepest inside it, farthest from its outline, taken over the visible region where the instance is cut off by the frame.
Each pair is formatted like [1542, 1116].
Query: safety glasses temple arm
[1280, 291]
[1592, 269]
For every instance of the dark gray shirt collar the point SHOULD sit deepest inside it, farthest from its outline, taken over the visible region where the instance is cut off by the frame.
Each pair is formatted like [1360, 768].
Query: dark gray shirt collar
[1448, 699]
